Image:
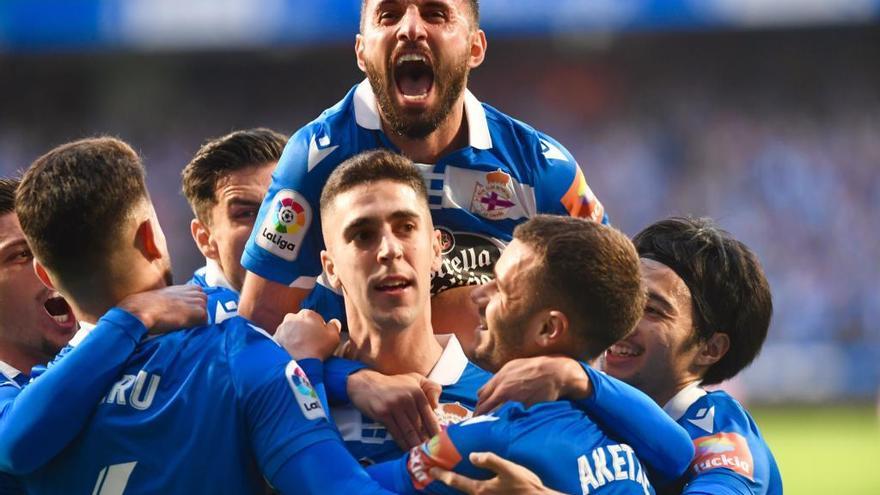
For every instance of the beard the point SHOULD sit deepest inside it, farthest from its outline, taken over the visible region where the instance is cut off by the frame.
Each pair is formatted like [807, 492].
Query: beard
[449, 82]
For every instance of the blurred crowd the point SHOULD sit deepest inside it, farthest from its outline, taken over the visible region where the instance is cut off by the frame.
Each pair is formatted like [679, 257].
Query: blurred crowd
[776, 135]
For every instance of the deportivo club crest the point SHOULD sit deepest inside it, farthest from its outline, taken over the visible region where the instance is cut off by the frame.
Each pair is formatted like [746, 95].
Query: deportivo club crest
[290, 218]
[493, 199]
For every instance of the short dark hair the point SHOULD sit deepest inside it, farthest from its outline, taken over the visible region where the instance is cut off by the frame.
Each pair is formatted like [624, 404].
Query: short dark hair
[590, 272]
[221, 156]
[373, 166]
[474, 5]
[729, 291]
[8, 187]
[73, 201]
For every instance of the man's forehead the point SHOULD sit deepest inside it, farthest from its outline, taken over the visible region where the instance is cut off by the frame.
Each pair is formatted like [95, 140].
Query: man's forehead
[10, 229]
[378, 199]
[256, 177]
[663, 280]
[516, 260]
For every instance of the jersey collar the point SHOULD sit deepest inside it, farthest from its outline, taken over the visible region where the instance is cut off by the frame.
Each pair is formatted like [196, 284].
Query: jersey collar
[85, 329]
[214, 276]
[679, 404]
[366, 113]
[451, 364]
[9, 372]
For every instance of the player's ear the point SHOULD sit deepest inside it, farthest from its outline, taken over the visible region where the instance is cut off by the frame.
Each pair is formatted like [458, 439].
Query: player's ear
[359, 52]
[437, 247]
[330, 270]
[553, 329]
[202, 237]
[43, 275]
[479, 45]
[146, 240]
[713, 349]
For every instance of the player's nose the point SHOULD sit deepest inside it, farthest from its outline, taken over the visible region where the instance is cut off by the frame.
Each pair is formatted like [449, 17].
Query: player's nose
[412, 26]
[390, 247]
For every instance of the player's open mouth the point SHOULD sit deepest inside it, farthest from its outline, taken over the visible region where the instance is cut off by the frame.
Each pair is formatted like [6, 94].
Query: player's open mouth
[413, 76]
[60, 311]
[624, 350]
[393, 284]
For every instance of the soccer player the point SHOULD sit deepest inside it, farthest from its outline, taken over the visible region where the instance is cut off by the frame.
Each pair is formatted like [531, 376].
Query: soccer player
[224, 184]
[380, 250]
[485, 171]
[209, 409]
[708, 312]
[35, 322]
[564, 286]
[707, 315]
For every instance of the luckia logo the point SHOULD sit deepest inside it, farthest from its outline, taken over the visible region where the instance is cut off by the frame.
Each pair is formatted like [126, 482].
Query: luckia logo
[290, 217]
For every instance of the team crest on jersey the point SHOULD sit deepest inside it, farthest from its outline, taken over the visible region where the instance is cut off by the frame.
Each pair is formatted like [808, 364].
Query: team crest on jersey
[436, 452]
[285, 225]
[723, 450]
[493, 199]
[451, 413]
[305, 393]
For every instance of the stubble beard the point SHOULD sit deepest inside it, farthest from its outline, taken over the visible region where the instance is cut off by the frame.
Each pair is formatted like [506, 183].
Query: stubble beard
[448, 82]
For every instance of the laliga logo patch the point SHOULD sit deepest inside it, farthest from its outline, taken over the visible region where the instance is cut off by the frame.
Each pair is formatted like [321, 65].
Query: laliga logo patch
[723, 450]
[495, 198]
[305, 394]
[285, 225]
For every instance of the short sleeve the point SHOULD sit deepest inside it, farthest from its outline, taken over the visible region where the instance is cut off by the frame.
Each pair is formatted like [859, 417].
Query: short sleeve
[286, 242]
[282, 409]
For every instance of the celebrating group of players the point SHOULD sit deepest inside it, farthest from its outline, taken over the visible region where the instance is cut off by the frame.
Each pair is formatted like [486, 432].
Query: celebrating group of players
[411, 295]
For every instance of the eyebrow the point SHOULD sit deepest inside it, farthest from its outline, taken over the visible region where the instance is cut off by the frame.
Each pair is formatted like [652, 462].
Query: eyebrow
[362, 222]
[663, 302]
[235, 201]
[13, 245]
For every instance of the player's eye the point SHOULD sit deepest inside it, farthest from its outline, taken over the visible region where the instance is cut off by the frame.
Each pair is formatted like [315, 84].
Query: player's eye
[245, 214]
[21, 256]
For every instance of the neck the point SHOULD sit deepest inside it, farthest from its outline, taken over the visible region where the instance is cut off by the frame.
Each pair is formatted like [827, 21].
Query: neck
[409, 350]
[663, 397]
[450, 135]
[21, 359]
[91, 298]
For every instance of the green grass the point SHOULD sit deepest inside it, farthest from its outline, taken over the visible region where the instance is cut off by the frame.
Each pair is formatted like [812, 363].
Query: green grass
[828, 450]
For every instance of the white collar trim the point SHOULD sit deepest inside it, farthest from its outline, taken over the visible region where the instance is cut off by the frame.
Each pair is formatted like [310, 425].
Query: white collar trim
[8, 371]
[85, 329]
[679, 404]
[214, 276]
[366, 114]
[451, 364]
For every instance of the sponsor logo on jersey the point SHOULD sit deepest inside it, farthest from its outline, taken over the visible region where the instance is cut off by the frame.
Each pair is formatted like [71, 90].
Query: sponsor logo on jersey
[284, 227]
[451, 413]
[447, 240]
[723, 450]
[304, 392]
[468, 259]
[493, 199]
[436, 452]
[580, 201]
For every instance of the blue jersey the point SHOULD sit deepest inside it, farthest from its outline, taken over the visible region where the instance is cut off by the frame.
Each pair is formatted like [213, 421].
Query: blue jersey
[11, 381]
[369, 441]
[556, 440]
[210, 409]
[618, 408]
[732, 457]
[223, 300]
[478, 194]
